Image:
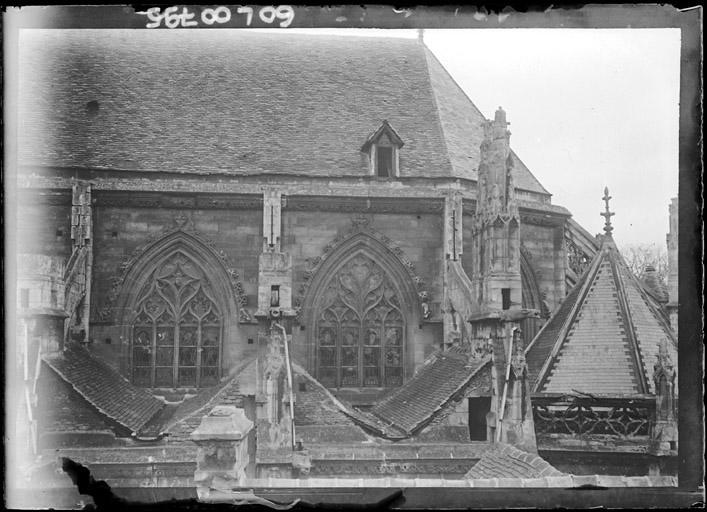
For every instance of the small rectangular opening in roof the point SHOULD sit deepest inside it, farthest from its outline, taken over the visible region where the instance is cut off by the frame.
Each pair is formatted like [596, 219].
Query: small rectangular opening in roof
[506, 298]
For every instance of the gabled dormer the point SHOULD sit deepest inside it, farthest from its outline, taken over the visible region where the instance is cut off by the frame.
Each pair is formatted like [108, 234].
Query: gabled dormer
[382, 148]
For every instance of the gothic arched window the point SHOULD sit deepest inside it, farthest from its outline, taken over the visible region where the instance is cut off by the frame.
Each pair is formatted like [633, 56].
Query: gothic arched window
[359, 328]
[176, 331]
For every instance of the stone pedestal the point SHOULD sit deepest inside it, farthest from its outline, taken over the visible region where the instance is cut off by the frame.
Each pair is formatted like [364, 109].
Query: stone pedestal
[222, 454]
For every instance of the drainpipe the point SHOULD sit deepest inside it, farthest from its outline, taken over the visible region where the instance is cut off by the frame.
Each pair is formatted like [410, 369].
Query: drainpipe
[288, 365]
[505, 392]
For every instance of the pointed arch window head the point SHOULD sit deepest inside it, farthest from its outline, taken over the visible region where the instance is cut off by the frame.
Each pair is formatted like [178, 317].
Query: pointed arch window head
[383, 148]
[176, 329]
[360, 328]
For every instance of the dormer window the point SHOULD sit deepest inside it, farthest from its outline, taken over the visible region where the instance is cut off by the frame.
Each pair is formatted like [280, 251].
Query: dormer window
[384, 161]
[382, 149]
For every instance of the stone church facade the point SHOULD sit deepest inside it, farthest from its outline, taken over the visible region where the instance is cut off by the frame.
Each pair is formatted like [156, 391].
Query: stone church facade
[327, 236]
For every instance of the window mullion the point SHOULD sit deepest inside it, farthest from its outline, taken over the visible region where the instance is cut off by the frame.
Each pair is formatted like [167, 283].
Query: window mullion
[153, 353]
[198, 353]
[175, 356]
[339, 370]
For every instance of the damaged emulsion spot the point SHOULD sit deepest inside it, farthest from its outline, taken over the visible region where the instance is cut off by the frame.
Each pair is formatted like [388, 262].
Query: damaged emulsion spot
[92, 108]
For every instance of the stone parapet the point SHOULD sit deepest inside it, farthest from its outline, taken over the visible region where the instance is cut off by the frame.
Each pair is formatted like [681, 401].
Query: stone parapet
[222, 449]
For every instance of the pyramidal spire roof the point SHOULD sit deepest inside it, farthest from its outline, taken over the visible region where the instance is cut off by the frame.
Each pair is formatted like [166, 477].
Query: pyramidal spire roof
[604, 338]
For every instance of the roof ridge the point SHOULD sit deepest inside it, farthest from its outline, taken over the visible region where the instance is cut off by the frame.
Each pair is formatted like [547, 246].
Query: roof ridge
[478, 110]
[425, 51]
[643, 292]
[627, 320]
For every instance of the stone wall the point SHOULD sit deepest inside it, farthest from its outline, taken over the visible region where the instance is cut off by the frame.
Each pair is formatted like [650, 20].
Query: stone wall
[120, 232]
[544, 245]
[44, 228]
[306, 234]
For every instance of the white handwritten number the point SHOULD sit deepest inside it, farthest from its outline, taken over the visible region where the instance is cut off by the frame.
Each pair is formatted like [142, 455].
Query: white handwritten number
[171, 18]
[286, 13]
[282, 12]
[219, 15]
[155, 17]
[267, 14]
[248, 12]
[186, 17]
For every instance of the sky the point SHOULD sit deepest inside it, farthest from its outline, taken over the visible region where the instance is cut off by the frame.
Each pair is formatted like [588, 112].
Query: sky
[588, 108]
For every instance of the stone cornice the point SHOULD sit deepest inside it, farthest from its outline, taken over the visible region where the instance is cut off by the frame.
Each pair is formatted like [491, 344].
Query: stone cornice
[389, 196]
[179, 200]
[364, 204]
[222, 181]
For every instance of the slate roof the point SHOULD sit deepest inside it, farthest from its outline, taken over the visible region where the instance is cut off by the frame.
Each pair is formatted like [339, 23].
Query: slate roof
[604, 337]
[415, 403]
[188, 414]
[506, 461]
[231, 102]
[105, 389]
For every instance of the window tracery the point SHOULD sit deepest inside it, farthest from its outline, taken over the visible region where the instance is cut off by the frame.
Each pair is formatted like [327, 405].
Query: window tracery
[360, 328]
[176, 332]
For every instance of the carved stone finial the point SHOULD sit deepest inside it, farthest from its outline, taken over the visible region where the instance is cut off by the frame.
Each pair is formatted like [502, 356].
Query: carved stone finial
[608, 228]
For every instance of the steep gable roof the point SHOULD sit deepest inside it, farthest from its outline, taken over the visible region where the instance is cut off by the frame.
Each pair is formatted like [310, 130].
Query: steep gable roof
[239, 103]
[416, 402]
[105, 389]
[604, 338]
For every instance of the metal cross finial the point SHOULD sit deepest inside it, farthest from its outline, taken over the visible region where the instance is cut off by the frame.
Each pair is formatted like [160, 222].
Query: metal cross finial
[608, 228]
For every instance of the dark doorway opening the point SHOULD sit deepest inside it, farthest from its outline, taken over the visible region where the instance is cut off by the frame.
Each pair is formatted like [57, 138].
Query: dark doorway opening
[479, 406]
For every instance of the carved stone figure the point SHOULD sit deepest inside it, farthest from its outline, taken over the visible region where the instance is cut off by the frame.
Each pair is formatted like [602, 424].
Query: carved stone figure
[426, 312]
[495, 199]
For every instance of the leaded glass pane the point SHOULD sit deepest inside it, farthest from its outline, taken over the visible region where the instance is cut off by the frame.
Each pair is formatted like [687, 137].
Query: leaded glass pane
[349, 377]
[392, 356]
[393, 336]
[142, 376]
[371, 356]
[349, 356]
[163, 376]
[187, 377]
[371, 376]
[187, 336]
[326, 336]
[327, 356]
[165, 356]
[209, 376]
[209, 357]
[165, 335]
[187, 356]
[393, 376]
[210, 336]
